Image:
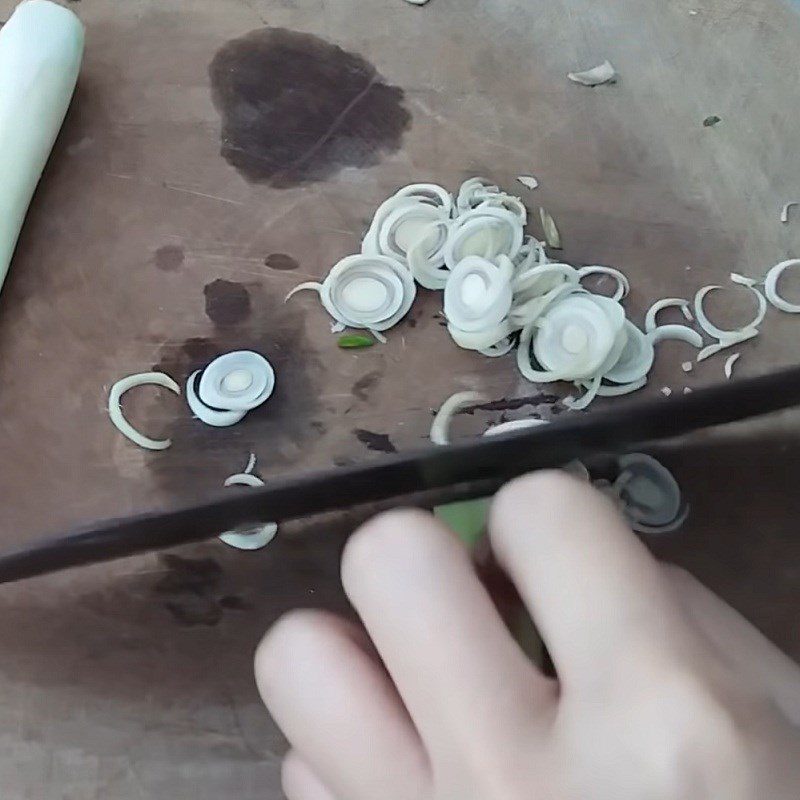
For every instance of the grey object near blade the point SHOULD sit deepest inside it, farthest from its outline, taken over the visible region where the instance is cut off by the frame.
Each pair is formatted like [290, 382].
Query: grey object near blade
[460, 471]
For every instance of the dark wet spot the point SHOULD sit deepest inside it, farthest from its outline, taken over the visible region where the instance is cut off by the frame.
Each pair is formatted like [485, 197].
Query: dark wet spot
[320, 427]
[188, 575]
[278, 432]
[442, 323]
[365, 384]
[380, 442]
[411, 322]
[343, 461]
[234, 603]
[169, 258]
[296, 108]
[191, 611]
[227, 302]
[280, 261]
[515, 403]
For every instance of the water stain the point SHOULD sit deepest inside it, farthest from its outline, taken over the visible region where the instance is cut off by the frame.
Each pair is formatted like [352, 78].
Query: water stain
[194, 575]
[297, 109]
[278, 432]
[362, 388]
[191, 611]
[281, 262]
[379, 442]
[227, 302]
[169, 258]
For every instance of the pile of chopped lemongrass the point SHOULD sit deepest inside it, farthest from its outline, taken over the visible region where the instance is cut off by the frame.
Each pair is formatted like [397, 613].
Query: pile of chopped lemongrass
[501, 292]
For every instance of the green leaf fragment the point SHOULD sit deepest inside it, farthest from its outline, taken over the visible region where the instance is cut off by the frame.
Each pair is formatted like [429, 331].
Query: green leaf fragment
[355, 342]
[467, 519]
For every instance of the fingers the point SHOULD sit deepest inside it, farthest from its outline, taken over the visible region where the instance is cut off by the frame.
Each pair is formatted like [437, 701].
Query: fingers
[339, 710]
[590, 585]
[745, 648]
[299, 780]
[459, 672]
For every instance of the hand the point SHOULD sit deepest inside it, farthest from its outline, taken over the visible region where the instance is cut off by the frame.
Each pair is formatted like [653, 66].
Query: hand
[663, 691]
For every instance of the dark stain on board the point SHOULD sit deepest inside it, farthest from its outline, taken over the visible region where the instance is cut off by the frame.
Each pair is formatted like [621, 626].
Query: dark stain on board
[278, 432]
[227, 302]
[281, 262]
[363, 387]
[379, 442]
[297, 109]
[193, 575]
[515, 403]
[169, 258]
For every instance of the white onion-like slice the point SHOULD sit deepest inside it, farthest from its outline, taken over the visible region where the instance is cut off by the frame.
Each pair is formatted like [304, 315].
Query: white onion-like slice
[514, 425]
[636, 360]
[785, 210]
[603, 73]
[588, 396]
[368, 292]
[485, 231]
[481, 340]
[115, 412]
[656, 530]
[509, 203]
[743, 280]
[308, 285]
[473, 192]
[405, 226]
[729, 364]
[528, 181]
[680, 332]
[501, 348]
[525, 356]
[422, 270]
[237, 381]
[253, 539]
[524, 313]
[531, 253]
[440, 428]
[623, 286]
[651, 494]
[718, 333]
[650, 322]
[217, 418]
[251, 464]
[538, 280]
[730, 340]
[370, 246]
[428, 193]
[478, 293]
[771, 287]
[551, 233]
[619, 391]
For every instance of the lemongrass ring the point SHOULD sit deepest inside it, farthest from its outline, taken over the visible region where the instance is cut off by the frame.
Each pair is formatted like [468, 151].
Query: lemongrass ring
[525, 363]
[482, 339]
[718, 333]
[115, 411]
[771, 287]
[500, 349]
[650, 322]
[478, 294]
[623, 286]
[470, 232]
[542, 278]
[509, 203]
[680, 332]
[405, 226]
[440, 428]
[370, 245]
[237, 381]
[423, 272]
[256, 538]
[428, 193]
[474, 191]
[217, 418]
[636, 359]
[530, 310]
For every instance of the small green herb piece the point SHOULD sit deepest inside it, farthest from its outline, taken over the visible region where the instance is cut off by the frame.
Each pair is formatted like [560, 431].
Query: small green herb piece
[355, 342]
[710, 122]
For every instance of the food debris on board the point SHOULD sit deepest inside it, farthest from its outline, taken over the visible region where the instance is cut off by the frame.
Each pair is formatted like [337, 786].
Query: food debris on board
[729, 365]
[597, 76]
[115, 411]
[786, 209]
[710, 122]
[528, 181]
[250, 538]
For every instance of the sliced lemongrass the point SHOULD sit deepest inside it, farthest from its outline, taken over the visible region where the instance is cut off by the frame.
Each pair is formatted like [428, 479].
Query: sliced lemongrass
[440, 428]
[486, 231]
[551, 232]
[771, 287]
[718, 333]
[368, 292]
[251, 464]
[680, 332]
[620, 391]
[587, 397]
[481, 340]
[650, 322]
[474, 191]
[729, 364]
[115, 412]
[730, 340]
[478, 293]
[237, 381]
[428, 193]
[786, 209]
[422, 270]
[308, 285]
[405, 226]
[216, 417]
[514, 425]
[636, 359]
[623, 286]
[528, 181]
[602, 73]
[259, 536]
[648, 489]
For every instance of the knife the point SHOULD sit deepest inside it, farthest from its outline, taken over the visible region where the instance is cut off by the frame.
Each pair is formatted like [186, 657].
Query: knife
[447, 474]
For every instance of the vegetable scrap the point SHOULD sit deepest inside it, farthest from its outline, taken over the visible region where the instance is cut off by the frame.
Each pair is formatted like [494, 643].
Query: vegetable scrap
[115, 411]
[771, 286]
[551, 234]
[355, 342]
[528, 181]
[786, 209]
[710, 122]
[729, 365]
[251, 538]
[603, 73]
